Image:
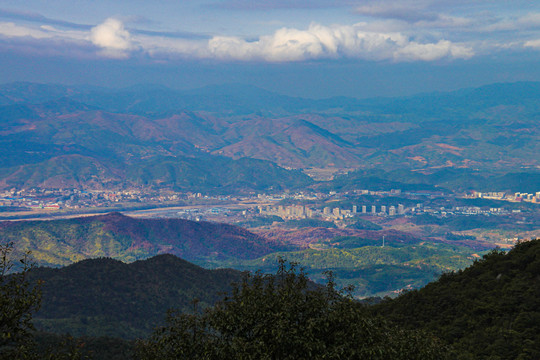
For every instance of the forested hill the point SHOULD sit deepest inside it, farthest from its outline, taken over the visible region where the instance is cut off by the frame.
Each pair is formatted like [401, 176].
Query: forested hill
[106, 297]
[490, 310]
[62, 242]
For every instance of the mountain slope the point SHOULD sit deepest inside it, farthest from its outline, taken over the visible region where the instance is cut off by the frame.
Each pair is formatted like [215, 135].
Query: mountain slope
[64, 143]
[105, 297]
[61, 242]
[489, 310]
[492, 128]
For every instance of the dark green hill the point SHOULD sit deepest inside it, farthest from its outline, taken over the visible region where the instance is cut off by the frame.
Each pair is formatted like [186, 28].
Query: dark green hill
[214, 174]
[440, 180]
[490, 310]
[362, 224]
[106, 297]
[61, 242]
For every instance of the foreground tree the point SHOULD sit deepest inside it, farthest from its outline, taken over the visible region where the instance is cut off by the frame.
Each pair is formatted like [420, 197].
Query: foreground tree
[18, 300]
[285, 317]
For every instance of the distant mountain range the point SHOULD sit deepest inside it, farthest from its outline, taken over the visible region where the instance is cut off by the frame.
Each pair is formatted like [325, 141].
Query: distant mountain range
[57, 136]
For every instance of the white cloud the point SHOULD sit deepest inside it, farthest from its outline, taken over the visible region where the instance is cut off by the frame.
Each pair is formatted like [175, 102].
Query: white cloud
[286, 44]
[430, 52]
[535, 44]
[332, 42]
[531, 19]
[112, 37]
[9, 29]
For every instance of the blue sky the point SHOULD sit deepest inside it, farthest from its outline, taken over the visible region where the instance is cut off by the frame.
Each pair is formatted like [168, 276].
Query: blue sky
[314, 48]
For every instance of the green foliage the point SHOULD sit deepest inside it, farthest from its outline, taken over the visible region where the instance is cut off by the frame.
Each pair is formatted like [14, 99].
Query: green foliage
[105, 297]
[372, 269]
[455, 179]
[303, 223]
[285, 317]
[62, 242]
[213, 174]
[18, 300]
[63, 347]
[490, 310]
[361, 224]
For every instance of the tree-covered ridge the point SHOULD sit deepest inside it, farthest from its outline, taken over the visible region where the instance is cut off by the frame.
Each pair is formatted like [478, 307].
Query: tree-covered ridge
[362, 224]
[490, 310]
[282, 317]
[369, 267]
[106, 297]
[62, 242]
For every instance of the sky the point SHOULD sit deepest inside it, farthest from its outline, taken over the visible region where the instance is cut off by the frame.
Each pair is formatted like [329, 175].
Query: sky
[309, 48]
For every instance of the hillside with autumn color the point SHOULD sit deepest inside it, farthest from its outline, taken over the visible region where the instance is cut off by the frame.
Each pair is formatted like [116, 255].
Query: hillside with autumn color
[56, 136]
[62, 242]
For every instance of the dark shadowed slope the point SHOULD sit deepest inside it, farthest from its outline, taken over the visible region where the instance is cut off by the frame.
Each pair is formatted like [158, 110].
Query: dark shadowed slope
[106, 297]
[491, 310]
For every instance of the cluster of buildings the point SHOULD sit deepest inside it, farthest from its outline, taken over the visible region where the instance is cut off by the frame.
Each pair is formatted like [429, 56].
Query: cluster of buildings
[515, 197]
[463, 210]
[302, 212]
[383, 210]
[289, 212]
[46, 200]
[36, 199]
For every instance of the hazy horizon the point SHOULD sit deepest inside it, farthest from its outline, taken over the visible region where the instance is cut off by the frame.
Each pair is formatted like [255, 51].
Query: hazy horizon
[314, 49]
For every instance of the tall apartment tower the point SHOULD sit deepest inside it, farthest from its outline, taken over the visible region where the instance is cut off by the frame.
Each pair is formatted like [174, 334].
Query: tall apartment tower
[354, 209]
[401, 209]
[373, 209]
[364, 209]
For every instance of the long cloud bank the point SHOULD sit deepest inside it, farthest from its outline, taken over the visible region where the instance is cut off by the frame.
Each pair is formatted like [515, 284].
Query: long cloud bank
[112, 40]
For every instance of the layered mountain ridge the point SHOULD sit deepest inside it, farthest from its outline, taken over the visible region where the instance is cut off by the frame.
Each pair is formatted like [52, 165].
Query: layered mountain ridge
[57, 136]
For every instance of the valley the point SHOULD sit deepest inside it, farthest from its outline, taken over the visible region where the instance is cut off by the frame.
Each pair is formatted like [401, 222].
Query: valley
[388, 194]
[254, 180]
